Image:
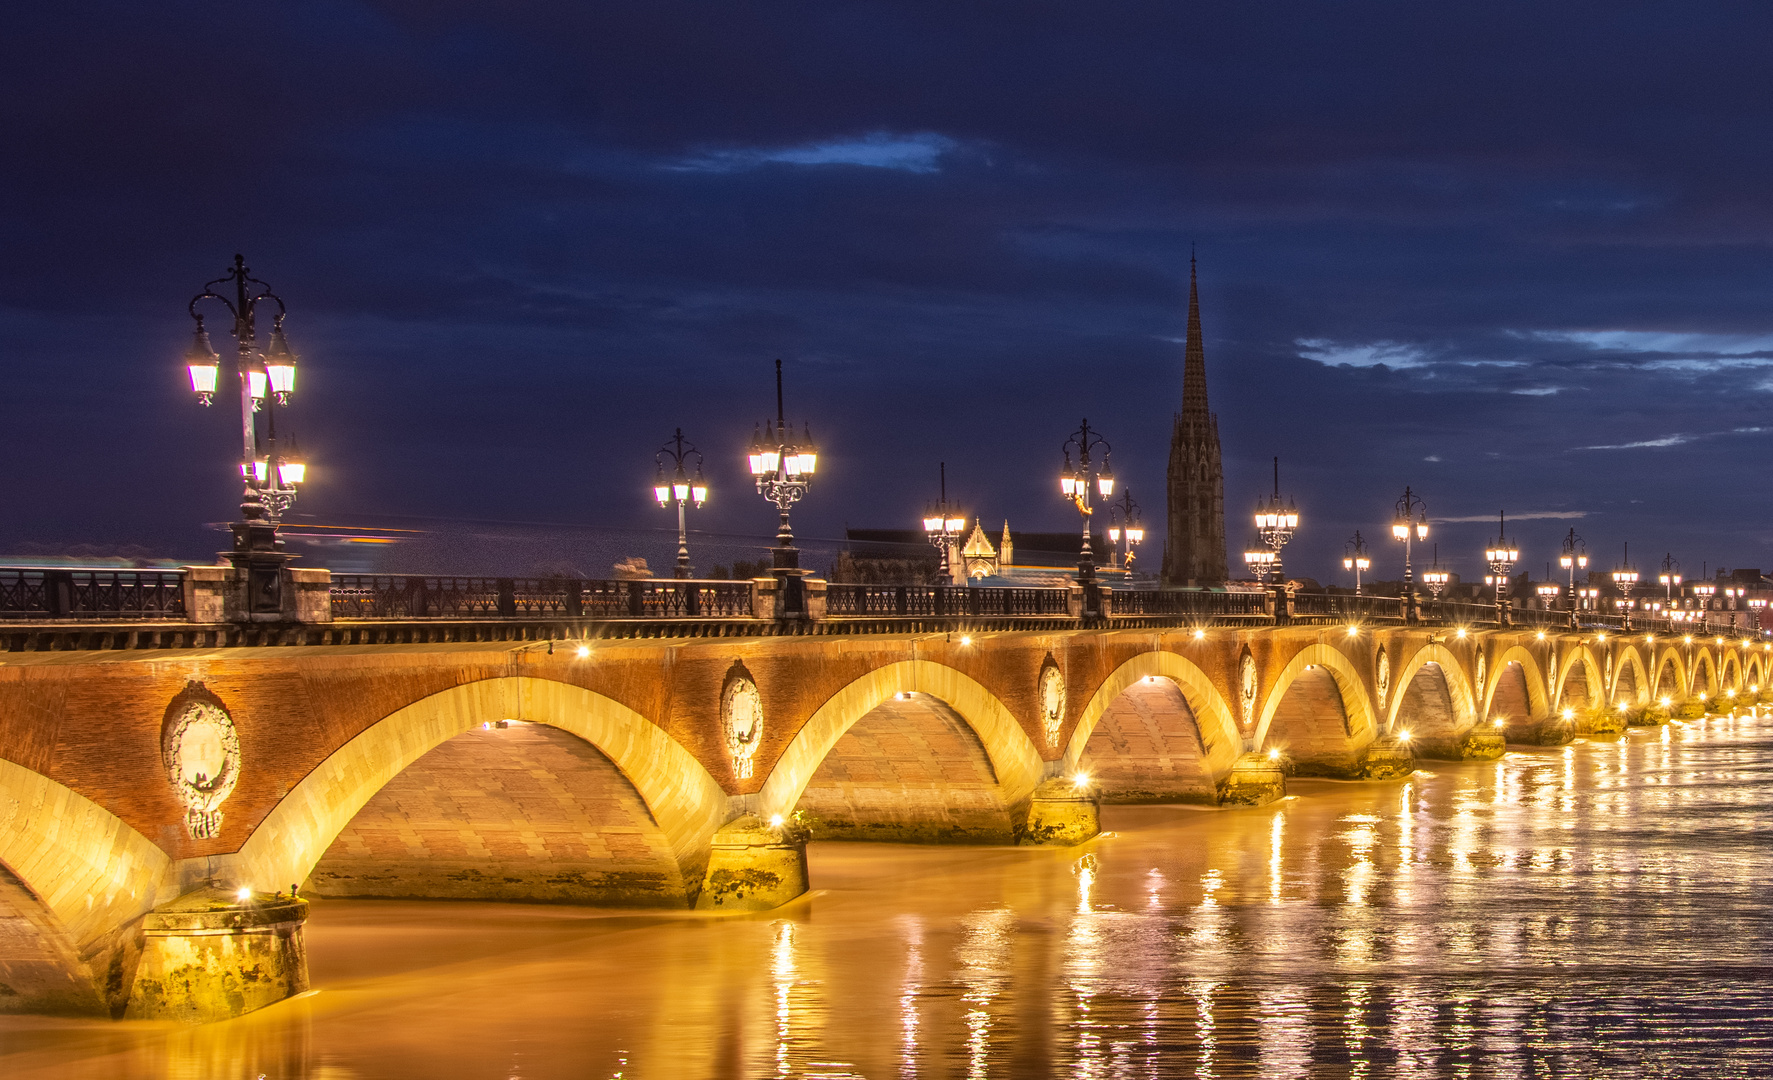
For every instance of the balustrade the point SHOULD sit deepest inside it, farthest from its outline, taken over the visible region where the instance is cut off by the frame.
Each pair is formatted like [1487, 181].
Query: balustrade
[91, 594]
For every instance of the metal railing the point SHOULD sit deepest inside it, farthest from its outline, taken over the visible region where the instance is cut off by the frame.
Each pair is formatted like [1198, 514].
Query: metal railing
[91, 594]
[845, 600]
[389, 596]
[1340, 606]
[1183, 603]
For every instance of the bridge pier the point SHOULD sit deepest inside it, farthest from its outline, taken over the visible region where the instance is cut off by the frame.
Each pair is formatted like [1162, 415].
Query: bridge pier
[754, 865]
[1254, 780]
[210, 955]
[1060, 813]
[1388, 759]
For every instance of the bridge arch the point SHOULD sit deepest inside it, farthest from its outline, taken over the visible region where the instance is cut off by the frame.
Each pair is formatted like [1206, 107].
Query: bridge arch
[1013, 755]
[1350, 690]
[74, 875]
[1754, 670]
[1704, 674]
[684, 800]
[1731, 677]
[1221, 742]
[1433, 702]
[1631, 678]
[1537, 705]
[1580, 661]
[1671, 674]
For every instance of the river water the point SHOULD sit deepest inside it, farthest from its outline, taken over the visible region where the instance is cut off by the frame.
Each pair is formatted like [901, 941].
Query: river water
[1595, 910]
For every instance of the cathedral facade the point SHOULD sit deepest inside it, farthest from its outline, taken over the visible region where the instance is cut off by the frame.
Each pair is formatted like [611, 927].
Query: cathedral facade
[1194, 544]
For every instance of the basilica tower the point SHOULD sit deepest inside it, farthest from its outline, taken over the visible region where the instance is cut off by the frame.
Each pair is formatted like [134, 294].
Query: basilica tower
[1194, 546]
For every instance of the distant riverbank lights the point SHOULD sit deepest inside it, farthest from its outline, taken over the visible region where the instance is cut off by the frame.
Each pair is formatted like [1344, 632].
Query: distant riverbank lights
[270, 473]
[681, 489]
[783, 469]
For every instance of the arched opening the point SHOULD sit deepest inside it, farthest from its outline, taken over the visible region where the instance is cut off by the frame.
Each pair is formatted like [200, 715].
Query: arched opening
[910, 771]
[1511, 703]
[1147, 747]
[1627, 681]
[506, 811]
[1732, 678]
[1704, 676]
[1668, 680]
[1578, 692]
[40, 969]
[1310, 724]
[682, 798]
[1426, 712]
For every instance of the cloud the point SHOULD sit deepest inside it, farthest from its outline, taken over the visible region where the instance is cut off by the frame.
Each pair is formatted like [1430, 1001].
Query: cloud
[919, 153]
[1372, 354]
[1666, 440]
[1537, 391]
[1536, 515]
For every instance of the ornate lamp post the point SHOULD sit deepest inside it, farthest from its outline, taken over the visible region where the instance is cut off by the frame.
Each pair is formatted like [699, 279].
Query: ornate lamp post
[1501, 556]
[942, 526]
[1275, 526]
[783, 467]
[681, 489]
[1574, 557]
[1075, 482]
[1588, 598]
[1125, 528]
[1548, 594]
[271, 477]
[1354, 557]
[1410, 522]
[1627, 580]
[1670, 578]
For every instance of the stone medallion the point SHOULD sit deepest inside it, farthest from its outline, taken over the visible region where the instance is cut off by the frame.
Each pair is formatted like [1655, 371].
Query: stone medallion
[1052, 701]
[1480, 675]
[1246, 688]
[1607, 676]
[1382, 677]
[741, 720]
[201, 751]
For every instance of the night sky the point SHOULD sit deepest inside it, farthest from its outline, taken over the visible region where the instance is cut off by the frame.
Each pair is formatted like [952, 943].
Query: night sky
[1514, 255]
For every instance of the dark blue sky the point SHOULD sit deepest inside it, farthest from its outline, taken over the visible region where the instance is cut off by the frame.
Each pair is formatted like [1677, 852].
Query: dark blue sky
[1514, 255]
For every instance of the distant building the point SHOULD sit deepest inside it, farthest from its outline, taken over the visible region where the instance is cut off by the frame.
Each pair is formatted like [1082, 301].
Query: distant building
[1194, 543]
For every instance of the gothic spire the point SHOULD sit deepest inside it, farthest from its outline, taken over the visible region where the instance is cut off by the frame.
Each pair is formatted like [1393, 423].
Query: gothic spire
[1194, 367]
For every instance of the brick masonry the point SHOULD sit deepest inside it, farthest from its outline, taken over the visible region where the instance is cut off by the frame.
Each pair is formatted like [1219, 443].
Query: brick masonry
[1426, 711]
[1148, 748]
[1310, 726]
[909, 770]
[526, 812]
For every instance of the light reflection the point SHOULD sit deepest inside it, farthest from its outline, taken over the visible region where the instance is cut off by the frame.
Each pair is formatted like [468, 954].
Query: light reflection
[909, 988]
[1276, 838]
[782, 971]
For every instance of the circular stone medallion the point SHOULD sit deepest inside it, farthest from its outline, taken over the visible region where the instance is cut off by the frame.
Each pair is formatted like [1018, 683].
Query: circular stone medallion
[201, 751]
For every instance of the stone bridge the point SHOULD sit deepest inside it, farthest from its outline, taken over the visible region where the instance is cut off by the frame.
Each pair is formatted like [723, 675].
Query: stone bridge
[161, 808]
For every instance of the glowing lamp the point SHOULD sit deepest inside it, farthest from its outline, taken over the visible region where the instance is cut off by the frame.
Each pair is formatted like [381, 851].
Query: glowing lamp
[254, 471]
[1068, 484]
[203, 364]
[662, 490]
[291, 471]
[932, 524]
[956, 524]
[1114, 533]
[280, 366]
[1105, 481]
[1135, 534]
[255, 384]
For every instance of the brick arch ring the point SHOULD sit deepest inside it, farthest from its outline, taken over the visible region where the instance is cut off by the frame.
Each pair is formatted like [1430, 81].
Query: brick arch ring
[1211, 712]
[1349, 685]
[685, 801]
[1014, 758]
[1458, 685]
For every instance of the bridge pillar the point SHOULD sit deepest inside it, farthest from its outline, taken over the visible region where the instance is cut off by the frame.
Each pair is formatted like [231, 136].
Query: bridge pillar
[754, 865]
[211, 956]
[1060, 812]
[1483, 743]
[1388, 759]
[1254, 780]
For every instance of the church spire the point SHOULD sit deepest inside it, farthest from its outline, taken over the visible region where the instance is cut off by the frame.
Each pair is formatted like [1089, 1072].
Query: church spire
[1194, 364]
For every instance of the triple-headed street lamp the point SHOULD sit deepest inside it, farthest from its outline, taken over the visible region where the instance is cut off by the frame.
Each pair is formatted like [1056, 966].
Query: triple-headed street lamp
[271, 476]
[783, 468]
[1627, 580]
[1670, 578]
[1275, 525]
[1409, 523]
[1573, 557]
[1501, 556]
[1075, 482]
[1125, 529]
[942, 526]
[1354, 557]
[680, 488]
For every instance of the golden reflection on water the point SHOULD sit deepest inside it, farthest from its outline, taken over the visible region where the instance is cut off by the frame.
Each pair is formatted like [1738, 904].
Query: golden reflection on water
[1567, 911]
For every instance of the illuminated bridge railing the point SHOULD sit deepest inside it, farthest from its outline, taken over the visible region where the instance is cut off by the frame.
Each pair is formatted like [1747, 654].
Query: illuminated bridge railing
[389, 596]
[1188, 603]
[1341, 607]
[92, 594]
[848, 600]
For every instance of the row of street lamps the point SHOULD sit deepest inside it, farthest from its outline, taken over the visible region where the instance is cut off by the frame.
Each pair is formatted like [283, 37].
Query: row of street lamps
[782, 466]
